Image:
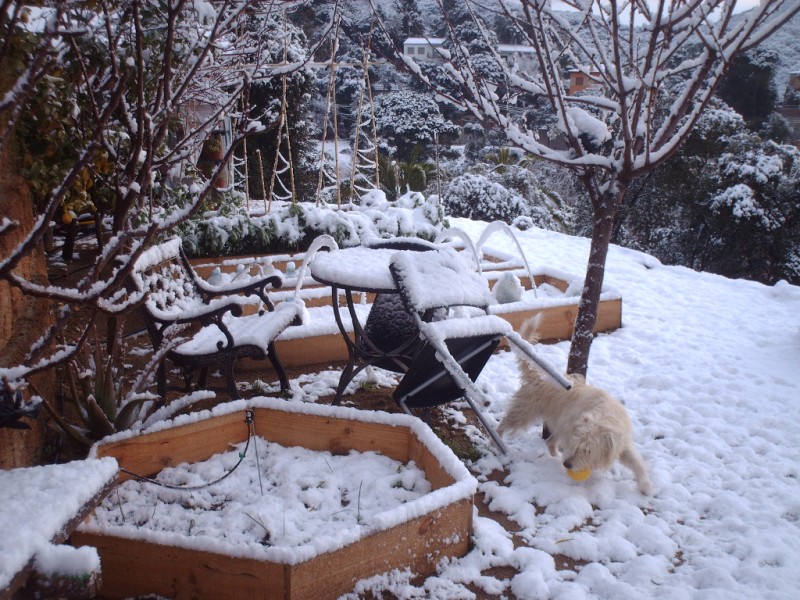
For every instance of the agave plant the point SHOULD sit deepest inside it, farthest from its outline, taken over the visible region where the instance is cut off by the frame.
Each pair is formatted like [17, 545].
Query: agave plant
[96, 403]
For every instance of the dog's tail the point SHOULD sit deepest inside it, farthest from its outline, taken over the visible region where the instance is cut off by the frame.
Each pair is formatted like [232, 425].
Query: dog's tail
[530, 329]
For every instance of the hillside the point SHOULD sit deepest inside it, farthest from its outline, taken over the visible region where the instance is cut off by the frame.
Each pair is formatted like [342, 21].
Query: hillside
[786, 44]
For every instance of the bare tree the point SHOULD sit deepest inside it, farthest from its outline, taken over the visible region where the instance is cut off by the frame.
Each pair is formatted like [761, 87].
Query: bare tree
[653, 66]
[130, 91]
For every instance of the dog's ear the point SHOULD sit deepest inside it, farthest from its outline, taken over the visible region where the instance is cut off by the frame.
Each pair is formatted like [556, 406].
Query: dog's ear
[605, 444]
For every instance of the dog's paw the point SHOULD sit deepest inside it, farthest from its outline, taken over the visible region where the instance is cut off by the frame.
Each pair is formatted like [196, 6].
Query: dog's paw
[645, 486]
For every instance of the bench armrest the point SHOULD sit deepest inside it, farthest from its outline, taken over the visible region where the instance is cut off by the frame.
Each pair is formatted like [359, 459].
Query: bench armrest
[252, 287]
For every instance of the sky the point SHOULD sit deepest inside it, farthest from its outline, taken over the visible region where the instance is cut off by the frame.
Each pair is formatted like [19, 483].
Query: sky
[707, 368]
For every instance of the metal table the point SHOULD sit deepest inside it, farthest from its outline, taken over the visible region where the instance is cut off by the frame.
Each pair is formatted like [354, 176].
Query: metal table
[364, 270]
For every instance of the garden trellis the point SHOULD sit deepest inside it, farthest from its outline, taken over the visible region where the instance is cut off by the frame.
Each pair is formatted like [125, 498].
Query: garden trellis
[330, 101]
[365, 159]
[282, 165]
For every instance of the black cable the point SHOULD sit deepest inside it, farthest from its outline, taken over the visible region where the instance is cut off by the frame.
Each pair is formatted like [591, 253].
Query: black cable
[248, 419]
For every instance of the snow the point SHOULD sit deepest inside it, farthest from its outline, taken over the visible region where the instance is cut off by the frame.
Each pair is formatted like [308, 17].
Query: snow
[311, 501]
[456, 284]
[708, 370]
[356, 268]
[66, 560]
[581, 122]
[37, 505]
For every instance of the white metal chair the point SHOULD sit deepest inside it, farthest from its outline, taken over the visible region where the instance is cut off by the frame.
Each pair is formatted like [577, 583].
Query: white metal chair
[455, 348]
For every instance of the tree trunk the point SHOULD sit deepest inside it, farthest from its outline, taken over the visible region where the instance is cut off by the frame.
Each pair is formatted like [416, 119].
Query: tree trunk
[582, 336]
[23, 320]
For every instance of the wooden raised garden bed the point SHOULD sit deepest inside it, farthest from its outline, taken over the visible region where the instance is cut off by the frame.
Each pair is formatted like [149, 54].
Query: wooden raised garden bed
[415, 535]
[319, 341]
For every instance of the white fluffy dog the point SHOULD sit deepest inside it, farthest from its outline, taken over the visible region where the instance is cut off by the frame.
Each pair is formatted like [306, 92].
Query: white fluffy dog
[588, 427]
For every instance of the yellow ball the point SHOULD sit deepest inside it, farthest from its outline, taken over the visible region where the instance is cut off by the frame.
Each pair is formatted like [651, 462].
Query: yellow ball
[581, 475]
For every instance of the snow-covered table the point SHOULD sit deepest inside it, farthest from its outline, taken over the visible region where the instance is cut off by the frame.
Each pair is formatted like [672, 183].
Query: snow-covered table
[363, 269]
[40, 506]
[359, 269]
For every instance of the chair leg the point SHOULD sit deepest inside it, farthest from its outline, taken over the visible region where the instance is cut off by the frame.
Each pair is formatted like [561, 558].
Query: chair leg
[230, 377]
[278, 367]
[486, 425]
[346, 378]
[203, 378]
[188, 375]
[161, 381]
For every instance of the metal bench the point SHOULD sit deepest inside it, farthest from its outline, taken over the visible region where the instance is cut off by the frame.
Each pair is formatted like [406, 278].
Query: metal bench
[199, 326]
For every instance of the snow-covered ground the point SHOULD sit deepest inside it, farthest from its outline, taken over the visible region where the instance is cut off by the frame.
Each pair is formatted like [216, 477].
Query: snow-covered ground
[709, 369]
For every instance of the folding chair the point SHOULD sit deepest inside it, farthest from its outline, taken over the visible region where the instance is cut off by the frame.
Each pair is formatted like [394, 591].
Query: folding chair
[456, 348]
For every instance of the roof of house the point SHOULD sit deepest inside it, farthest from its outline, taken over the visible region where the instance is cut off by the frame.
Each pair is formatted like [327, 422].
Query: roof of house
[437, 41]
[433, 41]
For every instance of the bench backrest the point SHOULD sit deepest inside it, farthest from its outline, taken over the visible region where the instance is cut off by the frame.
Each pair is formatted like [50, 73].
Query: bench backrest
[171, 292]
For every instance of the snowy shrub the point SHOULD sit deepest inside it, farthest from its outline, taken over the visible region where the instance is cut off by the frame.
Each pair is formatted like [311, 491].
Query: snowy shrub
[513, 195]
[752, 175]
[477, 197]
[291, 227]
[545, 208]
[777, 129]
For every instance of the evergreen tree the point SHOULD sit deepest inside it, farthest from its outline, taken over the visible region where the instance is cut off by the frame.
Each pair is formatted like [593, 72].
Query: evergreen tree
[406, 119]
[748, 86]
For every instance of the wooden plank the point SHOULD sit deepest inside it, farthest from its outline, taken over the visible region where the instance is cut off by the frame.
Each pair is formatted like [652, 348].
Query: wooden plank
[298, 352]
[435, 473]
[150, 453]
[418, 544]
[332, 434]
[136, 568]
[558, 322]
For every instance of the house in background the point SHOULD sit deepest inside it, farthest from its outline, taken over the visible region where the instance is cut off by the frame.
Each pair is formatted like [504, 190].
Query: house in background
[423, 48]
[582, 79]
[428, 49]
[790, 109]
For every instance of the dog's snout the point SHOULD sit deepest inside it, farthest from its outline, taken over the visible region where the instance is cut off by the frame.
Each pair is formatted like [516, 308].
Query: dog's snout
[568, 464]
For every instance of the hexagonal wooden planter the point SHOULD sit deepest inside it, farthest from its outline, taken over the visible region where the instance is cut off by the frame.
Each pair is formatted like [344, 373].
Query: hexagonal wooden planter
[416, 535]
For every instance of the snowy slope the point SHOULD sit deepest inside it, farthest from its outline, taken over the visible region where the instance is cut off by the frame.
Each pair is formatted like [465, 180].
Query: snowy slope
[708, 369]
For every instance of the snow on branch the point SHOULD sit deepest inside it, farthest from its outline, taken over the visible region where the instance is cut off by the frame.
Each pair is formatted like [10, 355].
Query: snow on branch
[126, 94]
[652, 69]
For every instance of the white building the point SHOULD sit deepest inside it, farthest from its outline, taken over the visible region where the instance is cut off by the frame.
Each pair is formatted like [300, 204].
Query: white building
[427, 49]
[423, 48]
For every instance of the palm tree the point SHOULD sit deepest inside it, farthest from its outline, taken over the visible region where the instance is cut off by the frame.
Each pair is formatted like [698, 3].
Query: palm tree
[505, 158]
